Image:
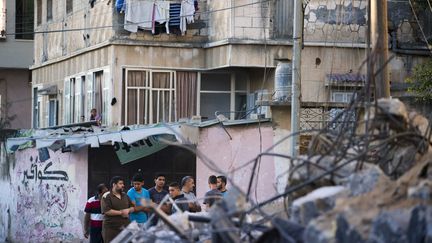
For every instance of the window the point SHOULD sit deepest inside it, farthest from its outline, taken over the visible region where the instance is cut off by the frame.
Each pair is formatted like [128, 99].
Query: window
[52, 113]
[85, 92]
[36, 108]
[69, 6]
[154, 96]
[39, 12]
[24, 19]
[67, 109]
[73, 100]
[2, 19]
[49, 10]
[106, 97]
[77, 100]
[150, 97]
[222, 93]
[89, 95]
[343, 97]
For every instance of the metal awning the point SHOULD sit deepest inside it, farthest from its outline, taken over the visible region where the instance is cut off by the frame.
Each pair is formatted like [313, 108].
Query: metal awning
[79, 137]
[48, 90]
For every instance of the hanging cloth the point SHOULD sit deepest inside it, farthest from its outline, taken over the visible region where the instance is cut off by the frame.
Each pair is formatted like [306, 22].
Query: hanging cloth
[162, 14]
[186, 14]
[138, 14]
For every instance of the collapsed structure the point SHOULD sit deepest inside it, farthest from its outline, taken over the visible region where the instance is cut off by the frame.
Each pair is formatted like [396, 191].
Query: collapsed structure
[370, 180]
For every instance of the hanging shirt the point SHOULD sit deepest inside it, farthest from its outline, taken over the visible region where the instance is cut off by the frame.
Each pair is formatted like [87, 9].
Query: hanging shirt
[187, 14]
[162, 14]
[174, 14]
[138, 14]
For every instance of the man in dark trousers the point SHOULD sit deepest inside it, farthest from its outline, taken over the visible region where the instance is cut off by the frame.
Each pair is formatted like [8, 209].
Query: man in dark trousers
[157, 194]
[116, 207]
[93, 217]
[214, 194]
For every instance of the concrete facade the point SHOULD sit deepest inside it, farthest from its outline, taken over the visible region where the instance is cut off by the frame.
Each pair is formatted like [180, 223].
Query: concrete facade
[16, 97]
[16, 55]
[229, 37]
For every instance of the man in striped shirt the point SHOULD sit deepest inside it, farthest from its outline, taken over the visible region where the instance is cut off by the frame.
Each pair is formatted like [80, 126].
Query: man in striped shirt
[93, 217]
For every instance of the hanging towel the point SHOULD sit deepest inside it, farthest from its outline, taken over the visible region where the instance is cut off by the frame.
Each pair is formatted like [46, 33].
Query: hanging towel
[174, 14]
[187, 14]
[138, 14]
[162, 13]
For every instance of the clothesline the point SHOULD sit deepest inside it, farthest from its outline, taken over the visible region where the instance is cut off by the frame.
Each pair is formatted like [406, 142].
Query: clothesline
[146, 14]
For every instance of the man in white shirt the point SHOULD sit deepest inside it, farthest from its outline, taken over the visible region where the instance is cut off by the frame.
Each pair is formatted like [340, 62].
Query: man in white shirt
[188, 184]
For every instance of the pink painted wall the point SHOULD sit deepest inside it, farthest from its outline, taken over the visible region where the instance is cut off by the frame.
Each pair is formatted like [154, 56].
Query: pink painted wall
[50, 206]
[230, 154]
[17, 94]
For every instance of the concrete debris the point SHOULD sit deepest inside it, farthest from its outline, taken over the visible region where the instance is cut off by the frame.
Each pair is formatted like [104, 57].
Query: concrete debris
[421, 124]
[393, 107]
[394, 211]
[421, 191]
[363, 181]
[312, 205]
[357, 184]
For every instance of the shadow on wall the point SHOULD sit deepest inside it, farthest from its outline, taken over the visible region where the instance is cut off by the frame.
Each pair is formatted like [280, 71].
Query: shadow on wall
[5, 188]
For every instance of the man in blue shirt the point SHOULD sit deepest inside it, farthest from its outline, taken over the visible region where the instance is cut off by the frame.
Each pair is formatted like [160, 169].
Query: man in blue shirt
[136, 194]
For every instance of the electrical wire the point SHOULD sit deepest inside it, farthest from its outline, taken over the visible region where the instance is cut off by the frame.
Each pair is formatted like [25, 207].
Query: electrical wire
[143, 22]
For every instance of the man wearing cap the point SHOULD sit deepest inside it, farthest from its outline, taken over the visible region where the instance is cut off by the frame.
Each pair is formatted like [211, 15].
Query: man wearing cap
[188, 185]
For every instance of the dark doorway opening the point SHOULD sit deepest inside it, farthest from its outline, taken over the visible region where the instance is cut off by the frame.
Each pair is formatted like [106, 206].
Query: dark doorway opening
[172, 161]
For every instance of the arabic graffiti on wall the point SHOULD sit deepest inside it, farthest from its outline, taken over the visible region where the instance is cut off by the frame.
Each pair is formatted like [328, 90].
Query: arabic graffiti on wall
[49, 196]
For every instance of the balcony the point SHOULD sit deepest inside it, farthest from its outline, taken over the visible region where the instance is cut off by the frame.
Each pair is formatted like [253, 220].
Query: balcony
[213, 21]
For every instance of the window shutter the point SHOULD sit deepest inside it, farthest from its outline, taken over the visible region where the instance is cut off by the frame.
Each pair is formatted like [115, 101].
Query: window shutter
[66, 103]
[47, 113]
[106, 97]
[77, 100]
[89, 95]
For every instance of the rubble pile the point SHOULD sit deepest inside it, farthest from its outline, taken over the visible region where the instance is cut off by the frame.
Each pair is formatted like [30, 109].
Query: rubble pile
[387, 199]
[368, 181]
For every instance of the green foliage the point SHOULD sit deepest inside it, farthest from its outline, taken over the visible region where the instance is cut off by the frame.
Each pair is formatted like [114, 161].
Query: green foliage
[421, 81]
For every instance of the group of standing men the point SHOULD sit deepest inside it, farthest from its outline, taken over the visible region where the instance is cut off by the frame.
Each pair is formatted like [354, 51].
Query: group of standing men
[110, 211]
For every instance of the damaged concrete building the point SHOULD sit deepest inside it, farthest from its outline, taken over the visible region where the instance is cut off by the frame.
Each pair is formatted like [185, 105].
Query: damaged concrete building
[212, 77]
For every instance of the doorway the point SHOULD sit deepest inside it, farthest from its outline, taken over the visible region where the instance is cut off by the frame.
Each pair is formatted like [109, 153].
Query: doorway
[174, 162]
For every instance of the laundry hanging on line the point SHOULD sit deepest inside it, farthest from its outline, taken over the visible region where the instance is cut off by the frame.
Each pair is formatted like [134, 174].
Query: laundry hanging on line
[150, 14]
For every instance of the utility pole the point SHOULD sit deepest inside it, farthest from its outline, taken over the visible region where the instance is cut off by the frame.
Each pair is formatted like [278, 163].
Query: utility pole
[296, 73]
[379, 39]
